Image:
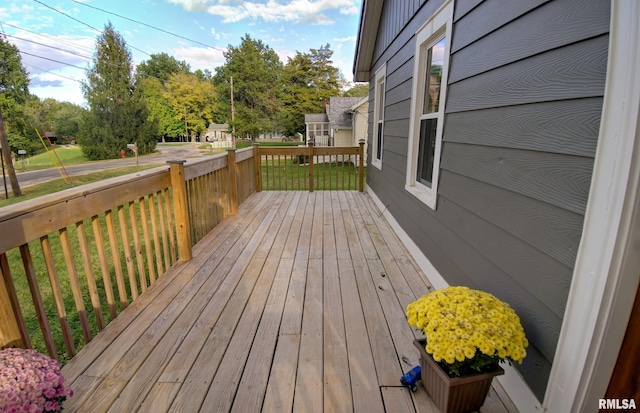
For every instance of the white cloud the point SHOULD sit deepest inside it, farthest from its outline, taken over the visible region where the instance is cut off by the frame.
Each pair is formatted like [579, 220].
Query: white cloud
[344, 39]
[200, 57]
[299, 11]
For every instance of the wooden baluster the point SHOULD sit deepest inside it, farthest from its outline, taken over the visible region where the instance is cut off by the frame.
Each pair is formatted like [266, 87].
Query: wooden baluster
[75, 284]
[88, 268]
[257, 161]
[170, 226]
[13, 330]
[30, 272]
[180, 204]
[154, 232]
[133, 284]
[233, 180]
[311, 166]
[148, 246]
[133, 219]
[115, 255]
[163, 230]
[104, 266]
[361, 167]
[67, 335]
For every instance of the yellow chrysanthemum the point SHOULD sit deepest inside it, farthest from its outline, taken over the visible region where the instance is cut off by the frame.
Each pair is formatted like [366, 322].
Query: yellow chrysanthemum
[458, 321]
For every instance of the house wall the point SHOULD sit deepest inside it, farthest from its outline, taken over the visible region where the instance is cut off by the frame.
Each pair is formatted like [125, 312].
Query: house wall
[342, 137]
[525, 88]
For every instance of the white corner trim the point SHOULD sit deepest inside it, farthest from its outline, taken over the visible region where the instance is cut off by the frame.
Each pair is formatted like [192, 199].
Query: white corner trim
[605, 277]
[513, 383]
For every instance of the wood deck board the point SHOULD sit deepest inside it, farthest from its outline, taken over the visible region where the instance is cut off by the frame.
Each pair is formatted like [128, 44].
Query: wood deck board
[283, 308]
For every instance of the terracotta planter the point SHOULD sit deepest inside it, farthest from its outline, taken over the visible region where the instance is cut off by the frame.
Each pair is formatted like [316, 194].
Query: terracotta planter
[453, 395]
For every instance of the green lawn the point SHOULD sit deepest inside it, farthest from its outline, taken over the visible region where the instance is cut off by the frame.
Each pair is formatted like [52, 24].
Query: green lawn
[68, 154]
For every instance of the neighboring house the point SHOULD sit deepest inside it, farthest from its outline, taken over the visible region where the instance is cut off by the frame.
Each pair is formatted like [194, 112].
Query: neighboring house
[338, 125]
[505, 150]
[216, 132]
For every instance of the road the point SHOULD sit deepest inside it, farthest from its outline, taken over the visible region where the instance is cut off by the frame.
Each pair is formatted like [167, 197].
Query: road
[188, 152]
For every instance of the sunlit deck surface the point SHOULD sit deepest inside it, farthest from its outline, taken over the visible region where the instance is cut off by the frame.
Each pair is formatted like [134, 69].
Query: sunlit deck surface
[295, 304]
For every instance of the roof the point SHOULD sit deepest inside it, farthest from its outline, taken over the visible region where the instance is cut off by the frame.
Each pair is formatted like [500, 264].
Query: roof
[367, 33]
[338, 111]
[315, 118]
[218, 126]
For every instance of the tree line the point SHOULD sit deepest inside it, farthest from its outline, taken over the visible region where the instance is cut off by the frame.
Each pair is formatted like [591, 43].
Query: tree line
[162, 97]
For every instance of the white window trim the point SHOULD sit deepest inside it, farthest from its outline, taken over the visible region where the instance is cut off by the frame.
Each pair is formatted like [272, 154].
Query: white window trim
[438, 25]
[381, 77]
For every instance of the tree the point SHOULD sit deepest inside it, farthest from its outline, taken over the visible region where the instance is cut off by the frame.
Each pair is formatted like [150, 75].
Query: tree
[14, 92]
[67, 118]
[309, 80]
[118, 112]
[192, 98]
[169, 122]
[256, 70]
[358, 90]
[161, 66]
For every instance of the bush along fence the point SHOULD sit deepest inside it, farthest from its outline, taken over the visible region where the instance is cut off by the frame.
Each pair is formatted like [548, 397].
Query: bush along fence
[70, 262]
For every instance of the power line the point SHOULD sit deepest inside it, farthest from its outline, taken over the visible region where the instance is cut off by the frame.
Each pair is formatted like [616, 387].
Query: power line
[58, 40]
[148, 25]
[52, 47]
[86, 24]
[53, 60]
[50, 72]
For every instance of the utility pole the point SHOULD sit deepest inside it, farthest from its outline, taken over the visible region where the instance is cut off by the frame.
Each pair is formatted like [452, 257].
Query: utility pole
[6, 154]
[233, 117]
[186, 130]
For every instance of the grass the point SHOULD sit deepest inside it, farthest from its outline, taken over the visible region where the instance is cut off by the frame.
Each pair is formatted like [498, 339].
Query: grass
[57, 185]
[289, 175]
[68, 154]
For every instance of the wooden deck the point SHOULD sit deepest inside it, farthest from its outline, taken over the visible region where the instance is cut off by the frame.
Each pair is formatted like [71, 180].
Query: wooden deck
[295, 304]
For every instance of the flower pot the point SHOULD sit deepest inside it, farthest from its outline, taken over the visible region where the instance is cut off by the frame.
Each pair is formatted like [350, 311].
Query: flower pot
[458, 394]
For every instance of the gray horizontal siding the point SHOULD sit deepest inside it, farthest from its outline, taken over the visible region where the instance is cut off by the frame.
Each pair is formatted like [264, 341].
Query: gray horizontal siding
[557, 179]
[486, 17]
[550, 26]
[574, 71]
[567, 127]
[552, 230]
[526, 80]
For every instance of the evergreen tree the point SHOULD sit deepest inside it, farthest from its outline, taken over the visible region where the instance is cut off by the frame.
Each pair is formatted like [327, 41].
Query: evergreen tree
[118, 112]
[14, 95]
[256, 71]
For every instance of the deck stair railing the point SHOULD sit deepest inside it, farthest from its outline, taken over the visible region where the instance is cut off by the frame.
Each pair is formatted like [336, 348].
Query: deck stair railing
[70, 262]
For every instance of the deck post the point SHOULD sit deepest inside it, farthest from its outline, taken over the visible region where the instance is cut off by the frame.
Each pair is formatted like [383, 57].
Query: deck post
[361, 166]
[10, 335]
[258, 166]
[233, 180]
[310, 143]
[181, 210]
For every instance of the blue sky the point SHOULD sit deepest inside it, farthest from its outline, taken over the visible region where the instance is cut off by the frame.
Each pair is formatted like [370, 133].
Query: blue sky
[63, 31]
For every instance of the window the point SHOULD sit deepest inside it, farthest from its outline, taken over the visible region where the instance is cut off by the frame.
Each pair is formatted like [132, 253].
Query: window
[378, 117]
[427, 105]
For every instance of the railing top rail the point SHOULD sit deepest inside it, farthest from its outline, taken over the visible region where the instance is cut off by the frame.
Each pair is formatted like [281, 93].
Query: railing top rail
[214, 163]
[31, 219]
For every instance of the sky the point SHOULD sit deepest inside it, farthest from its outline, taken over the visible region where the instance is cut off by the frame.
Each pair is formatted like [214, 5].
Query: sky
[57, 38]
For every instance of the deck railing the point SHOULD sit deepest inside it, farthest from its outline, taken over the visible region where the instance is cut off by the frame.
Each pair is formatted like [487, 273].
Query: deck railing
[70, 262]
[310, 167]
